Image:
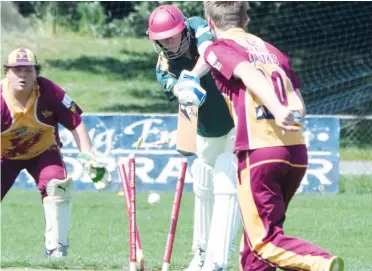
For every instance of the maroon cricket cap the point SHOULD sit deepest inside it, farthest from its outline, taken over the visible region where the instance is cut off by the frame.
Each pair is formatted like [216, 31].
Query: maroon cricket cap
[21, 57]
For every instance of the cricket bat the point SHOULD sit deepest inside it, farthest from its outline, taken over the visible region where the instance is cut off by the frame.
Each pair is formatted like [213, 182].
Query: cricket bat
[187, 129]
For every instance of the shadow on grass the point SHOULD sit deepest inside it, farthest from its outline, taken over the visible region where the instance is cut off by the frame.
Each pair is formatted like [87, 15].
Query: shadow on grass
[145, 98]
[137, 65]
[126, 69]
[155, 107]
[151, 54]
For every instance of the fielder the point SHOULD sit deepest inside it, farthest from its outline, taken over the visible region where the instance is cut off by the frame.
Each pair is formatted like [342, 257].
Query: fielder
[31, 109]
[180, 41]
[263, 91]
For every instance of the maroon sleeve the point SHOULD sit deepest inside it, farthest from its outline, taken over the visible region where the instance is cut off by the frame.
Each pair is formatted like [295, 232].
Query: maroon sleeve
[66, 111]
[6, 118]
[223, 58]
[284, 62]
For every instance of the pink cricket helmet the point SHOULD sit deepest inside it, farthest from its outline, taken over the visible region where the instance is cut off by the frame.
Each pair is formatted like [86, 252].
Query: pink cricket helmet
[166, 21]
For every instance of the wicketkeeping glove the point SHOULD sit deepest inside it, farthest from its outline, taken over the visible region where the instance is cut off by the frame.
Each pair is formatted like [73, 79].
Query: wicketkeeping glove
[190, 91]
[96, 171]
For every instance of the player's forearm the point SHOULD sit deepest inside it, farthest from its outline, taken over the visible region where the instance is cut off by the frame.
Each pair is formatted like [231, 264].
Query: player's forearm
[82, 138]
[201, 68]
[256, 82]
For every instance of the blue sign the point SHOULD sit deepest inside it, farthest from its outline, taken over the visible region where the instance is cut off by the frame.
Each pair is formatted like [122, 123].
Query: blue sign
[322, 136]
[114, 137]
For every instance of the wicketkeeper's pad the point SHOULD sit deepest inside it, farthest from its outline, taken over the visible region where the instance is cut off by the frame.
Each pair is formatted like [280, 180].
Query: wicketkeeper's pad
[57, 207]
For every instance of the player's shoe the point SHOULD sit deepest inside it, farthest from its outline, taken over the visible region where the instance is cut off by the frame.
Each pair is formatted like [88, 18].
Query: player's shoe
[59, 252]
[198, 260]
[337, 264]
[216, 267]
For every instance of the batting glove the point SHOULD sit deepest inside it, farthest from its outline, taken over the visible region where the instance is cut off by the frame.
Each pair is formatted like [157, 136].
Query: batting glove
[97, 172]
[187, 77]
[190, 91]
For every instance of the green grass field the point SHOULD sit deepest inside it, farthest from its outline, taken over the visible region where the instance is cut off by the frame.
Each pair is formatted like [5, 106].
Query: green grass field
[353, 153]
[99, 235]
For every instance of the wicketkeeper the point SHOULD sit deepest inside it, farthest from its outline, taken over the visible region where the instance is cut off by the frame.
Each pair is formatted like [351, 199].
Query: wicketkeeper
[31, 109]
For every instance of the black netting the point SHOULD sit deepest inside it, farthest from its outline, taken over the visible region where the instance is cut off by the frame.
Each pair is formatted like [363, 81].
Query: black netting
[330, 44]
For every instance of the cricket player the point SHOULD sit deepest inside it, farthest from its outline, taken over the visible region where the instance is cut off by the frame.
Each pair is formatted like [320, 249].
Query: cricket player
[31, 109]
[263, 95]
[180, 41]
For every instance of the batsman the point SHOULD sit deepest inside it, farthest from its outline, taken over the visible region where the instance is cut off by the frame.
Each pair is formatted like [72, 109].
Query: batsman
[180, 41]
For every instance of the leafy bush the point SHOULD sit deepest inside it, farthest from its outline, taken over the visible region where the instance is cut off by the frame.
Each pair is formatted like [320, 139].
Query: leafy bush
[61, 14]
[190, 8]
[134, 25]
[92, 18]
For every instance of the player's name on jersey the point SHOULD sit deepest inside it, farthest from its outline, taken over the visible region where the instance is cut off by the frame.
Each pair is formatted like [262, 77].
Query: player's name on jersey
[264, 58]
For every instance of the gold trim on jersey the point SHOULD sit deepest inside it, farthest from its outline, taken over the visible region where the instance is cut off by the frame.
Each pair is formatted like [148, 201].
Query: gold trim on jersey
[263, 131]
[261, 127]
[27, 136]
[163, 65]
[277, 161]
[247, 40]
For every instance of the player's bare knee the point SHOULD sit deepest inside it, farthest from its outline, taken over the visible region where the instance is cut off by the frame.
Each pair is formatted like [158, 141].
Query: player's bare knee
[225, 174]
[51, 172]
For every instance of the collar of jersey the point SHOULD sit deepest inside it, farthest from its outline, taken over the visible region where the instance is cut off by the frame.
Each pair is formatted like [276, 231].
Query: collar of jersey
[35, 93]
[233, 31]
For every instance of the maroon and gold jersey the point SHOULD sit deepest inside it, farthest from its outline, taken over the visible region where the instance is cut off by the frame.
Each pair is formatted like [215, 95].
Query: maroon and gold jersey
[255, 125]
[26, 133]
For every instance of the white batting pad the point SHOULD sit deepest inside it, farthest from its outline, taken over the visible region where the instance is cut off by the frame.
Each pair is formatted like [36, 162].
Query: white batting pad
[226, 216]
[57, 206]
[203, 189]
